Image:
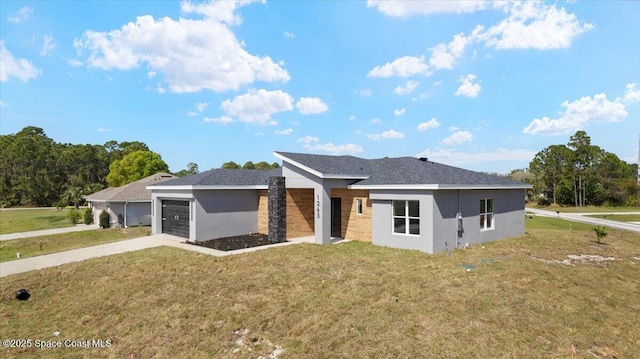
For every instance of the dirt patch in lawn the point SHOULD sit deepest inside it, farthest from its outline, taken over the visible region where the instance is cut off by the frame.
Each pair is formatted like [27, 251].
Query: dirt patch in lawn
[237, 242]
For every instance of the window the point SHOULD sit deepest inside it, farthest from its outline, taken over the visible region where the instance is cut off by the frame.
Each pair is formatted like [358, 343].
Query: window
[406, 217]
[486, 213]
[359, 206]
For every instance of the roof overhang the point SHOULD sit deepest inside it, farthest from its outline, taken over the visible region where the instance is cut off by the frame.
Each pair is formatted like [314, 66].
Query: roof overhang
[118, 200]
[318, 173]
[433, 187]
[205, 187]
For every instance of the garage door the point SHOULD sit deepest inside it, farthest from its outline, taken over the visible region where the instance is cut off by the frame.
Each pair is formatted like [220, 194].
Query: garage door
[175, 218]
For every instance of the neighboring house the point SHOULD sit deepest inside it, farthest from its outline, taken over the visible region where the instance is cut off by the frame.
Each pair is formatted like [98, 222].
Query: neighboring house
[401, 202]
[128, 205]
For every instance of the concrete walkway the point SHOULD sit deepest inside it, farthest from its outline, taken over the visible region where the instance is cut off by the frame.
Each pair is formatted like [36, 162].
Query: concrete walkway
[583, 218]
[81, 254]
[47, 232]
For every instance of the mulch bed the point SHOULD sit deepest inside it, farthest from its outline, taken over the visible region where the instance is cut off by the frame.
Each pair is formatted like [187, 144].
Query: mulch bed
[237, 242]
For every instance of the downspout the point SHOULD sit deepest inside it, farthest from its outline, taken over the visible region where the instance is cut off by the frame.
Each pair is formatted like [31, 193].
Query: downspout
[459, 220]
[125, 213]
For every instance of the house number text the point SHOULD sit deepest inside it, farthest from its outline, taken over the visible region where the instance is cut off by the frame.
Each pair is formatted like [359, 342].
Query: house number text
[318, 206]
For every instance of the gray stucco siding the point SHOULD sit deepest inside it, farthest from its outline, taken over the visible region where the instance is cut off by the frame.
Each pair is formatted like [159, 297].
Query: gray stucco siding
[382, 219]
[297, 178]
[224, 213]
[508, 216]
[138, 214]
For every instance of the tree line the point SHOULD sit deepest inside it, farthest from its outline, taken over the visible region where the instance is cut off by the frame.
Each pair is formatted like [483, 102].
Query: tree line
[579, 174]
[37, 171]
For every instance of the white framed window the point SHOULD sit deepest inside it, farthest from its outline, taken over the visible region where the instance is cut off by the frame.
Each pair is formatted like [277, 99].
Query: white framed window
[486, 214]
[358, 205]
[406, 217]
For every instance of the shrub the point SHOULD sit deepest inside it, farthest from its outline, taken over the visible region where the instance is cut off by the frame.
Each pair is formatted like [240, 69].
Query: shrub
[104, 219]
[600, 233]
[73, 216]
[543, 201]
[88, 216]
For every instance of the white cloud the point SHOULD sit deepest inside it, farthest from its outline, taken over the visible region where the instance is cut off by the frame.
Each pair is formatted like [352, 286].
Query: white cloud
[387, 135]
[457, 138]
[201, 106]
[352, 118]
[468, 88]
[102, 129]
[289, 35]
[577, 114]
[258, 106]
[21, 15]
[399, 112]
[527, 25]
[286, 132]
[47, 45]
[444, 56]
[3, 104]
[364, 92]
[399, 8]
[375, 121]
[401, 67]
[191, 53]
[311, 105]
[408, 88]
[313, 144]
[534, 25]
[453, 157]
[632, 94]
[15, 67]
[421, 97]
[76, 63]
[222, 120]
[432, 123]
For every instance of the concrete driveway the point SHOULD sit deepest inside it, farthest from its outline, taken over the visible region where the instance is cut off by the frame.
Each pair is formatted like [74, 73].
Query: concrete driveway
[156, 240]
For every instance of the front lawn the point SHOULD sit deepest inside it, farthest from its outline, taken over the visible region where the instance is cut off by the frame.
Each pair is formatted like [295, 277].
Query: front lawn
[37, 246]
[516, 298]
[25, 220]
[619, 217]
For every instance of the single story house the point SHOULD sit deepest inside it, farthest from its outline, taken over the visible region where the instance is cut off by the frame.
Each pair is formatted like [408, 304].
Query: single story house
[404, 202]
[128, 205]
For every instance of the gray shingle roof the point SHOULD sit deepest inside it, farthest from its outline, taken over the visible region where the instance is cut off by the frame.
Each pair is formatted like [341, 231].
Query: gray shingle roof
[346, 166]
[134, 191]
[413, 171]
[398, 171]
[225, 177]
[376, 172]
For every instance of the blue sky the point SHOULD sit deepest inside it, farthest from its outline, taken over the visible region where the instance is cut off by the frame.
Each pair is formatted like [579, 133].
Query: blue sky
[482, 85]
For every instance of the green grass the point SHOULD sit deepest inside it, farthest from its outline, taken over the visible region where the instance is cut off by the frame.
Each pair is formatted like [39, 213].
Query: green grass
[25, 220]
[351, 300]
[539, 222]
[619, 217]
[588, 209]
[31, 247]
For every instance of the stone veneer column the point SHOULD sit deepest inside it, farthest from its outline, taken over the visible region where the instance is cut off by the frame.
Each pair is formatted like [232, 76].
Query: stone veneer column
[277, 198]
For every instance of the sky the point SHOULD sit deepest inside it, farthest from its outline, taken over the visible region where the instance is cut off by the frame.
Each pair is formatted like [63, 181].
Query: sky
[482, 85]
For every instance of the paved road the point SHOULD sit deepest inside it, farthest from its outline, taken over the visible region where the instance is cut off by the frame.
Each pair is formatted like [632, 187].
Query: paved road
[582, 218]
[47, 232]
